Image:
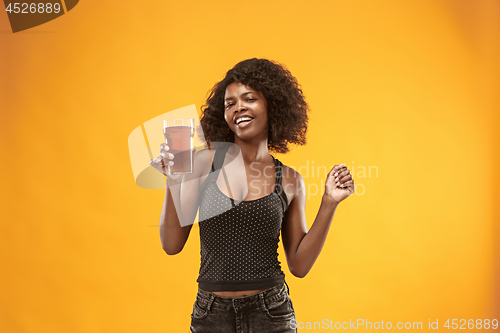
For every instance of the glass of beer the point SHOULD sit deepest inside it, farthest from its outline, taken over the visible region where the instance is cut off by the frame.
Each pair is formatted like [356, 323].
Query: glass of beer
[179, 138]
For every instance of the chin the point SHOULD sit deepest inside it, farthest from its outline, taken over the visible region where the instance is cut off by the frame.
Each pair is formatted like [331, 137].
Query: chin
[247, 137]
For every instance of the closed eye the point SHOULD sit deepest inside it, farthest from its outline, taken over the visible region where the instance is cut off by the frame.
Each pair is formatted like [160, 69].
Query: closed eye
[229, 105]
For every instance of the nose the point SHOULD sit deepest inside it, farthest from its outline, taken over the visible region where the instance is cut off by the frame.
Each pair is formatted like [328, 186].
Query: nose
[240, 106]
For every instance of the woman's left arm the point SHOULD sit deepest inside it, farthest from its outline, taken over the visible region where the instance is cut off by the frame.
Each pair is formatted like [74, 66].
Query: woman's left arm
[302, 247]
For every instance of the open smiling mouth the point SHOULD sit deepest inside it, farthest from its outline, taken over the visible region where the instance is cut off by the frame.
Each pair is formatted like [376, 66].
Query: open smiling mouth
[243, 121]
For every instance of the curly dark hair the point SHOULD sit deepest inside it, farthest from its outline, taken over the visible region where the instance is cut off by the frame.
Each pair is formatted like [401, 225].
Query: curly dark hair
[287, 109]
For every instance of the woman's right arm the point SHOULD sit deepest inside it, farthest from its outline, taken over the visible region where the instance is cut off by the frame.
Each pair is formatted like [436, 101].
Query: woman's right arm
[173, 236]
[180, 203]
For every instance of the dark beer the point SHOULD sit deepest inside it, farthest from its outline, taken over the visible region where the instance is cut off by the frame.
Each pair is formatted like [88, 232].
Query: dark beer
[180, 140]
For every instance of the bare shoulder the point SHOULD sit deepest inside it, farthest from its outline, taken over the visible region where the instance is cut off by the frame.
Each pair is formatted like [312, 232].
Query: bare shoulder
[203, 161]
[292, 182]
[204, 155]
[207, 154]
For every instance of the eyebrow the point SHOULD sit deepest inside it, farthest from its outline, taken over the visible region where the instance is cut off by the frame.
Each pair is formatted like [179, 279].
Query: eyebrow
[244, 94]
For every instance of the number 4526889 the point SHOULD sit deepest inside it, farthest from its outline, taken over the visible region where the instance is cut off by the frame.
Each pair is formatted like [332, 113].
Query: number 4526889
[32, 8]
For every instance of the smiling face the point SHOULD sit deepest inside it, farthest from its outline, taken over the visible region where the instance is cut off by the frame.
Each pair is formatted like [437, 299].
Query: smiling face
[246, 112]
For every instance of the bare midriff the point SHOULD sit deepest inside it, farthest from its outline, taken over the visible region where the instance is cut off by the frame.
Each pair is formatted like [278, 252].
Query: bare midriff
[234, 294]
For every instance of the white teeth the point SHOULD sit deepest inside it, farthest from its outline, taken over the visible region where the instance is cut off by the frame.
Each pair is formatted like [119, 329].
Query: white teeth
[239, 120]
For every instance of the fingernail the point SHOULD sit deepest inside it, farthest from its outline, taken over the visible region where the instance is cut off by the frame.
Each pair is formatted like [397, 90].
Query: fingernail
[343, 164]
[338, 183]
[336, 174]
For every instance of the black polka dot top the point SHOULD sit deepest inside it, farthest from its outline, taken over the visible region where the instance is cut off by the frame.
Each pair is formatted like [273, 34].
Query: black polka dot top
[239, 242]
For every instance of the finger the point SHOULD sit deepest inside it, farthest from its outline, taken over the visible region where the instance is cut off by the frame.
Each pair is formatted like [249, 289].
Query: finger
[347, 184]
[164, 146]
[344, 172]
[157, 164]
[338, 168]
[155, 161]
[165, 154]
[331, 172]
[344, 179]
[158, 161]
[344, 169]
[341, 174]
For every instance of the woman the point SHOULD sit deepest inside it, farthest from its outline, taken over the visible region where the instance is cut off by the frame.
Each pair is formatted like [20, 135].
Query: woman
[257, 108]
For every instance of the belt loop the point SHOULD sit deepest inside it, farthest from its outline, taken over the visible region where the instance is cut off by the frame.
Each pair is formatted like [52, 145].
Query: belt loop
[262, 302]
[210, 301]
[287, 288]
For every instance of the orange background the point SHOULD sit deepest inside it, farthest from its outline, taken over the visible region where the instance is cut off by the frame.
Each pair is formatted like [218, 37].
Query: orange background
[408, 87]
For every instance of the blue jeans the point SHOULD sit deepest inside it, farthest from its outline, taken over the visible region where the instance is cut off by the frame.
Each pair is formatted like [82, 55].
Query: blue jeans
[269, 311]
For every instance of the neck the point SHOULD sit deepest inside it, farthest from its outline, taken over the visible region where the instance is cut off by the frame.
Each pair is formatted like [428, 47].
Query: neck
[253, 152]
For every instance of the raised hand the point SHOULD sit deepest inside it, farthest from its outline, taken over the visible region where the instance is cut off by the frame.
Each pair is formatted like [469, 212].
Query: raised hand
[339, 183]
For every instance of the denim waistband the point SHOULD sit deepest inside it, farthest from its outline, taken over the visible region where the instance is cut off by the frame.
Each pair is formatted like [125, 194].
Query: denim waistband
[260, 299]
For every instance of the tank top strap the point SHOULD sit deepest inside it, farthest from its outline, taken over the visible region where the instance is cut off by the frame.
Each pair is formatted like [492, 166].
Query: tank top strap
[278, 183]
[220, 154]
